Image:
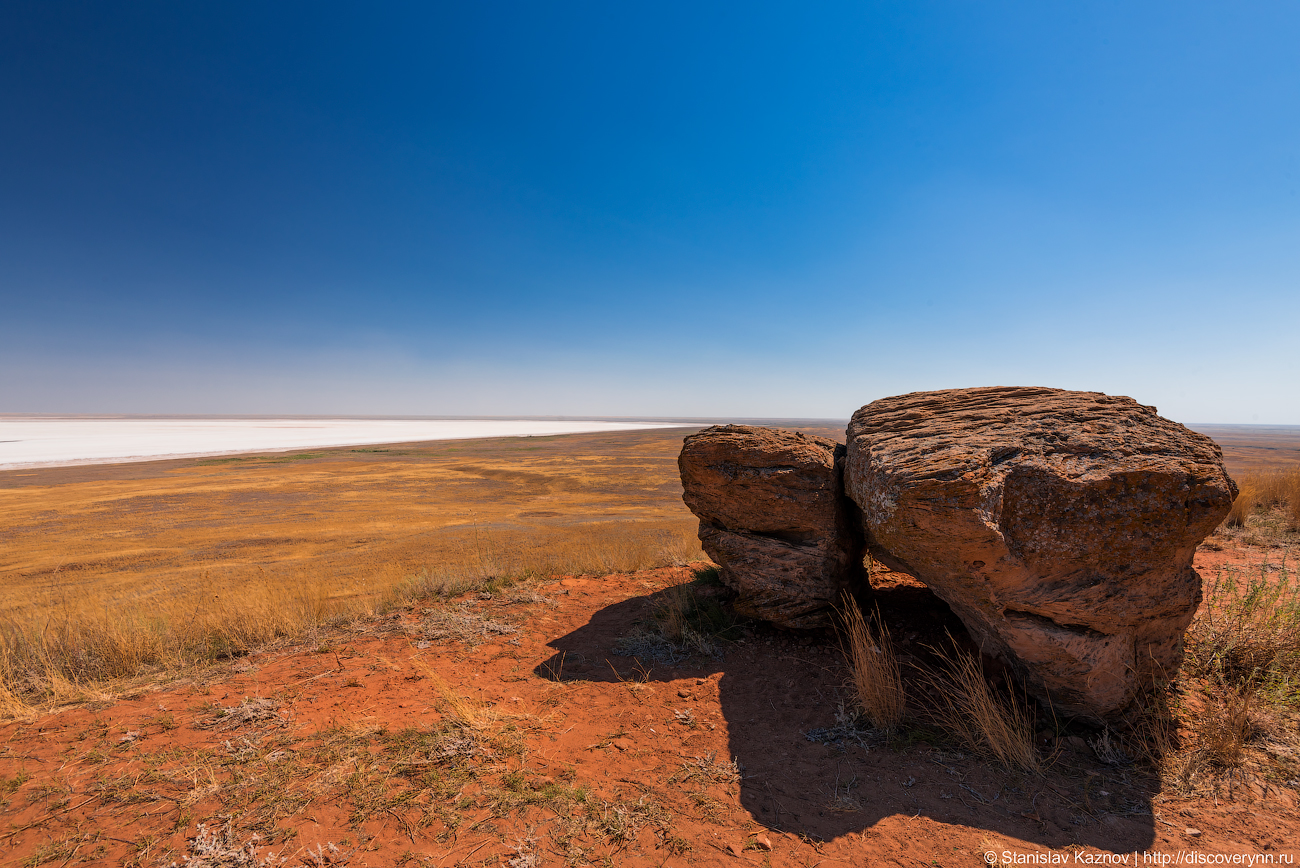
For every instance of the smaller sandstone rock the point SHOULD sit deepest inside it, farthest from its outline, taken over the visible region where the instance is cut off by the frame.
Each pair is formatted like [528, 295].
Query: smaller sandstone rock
[774, 518]
[763, 842]
[735, 849]
[1192, 833]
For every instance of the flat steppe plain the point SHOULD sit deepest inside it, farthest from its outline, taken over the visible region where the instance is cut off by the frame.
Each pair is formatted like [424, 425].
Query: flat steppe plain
[522, 723]
[1256, 448]
[342, 523]
[351, 522]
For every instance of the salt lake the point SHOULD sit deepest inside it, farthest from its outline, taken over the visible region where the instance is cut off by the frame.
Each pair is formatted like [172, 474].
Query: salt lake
[49, 441]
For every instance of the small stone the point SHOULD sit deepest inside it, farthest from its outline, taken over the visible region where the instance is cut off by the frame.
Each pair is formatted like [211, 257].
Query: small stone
[1192, 833]
[621, 744]
[763, 842]
[734, 849]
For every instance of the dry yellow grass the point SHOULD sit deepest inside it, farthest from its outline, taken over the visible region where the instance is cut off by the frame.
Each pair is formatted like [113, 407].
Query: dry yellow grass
[1224, 727]
[112, 571]
[968, 708]
[463, 712]
[1265, 490]
[877, 677]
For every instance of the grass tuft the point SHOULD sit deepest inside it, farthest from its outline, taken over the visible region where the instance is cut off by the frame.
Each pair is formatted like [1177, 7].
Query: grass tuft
[464, 712]
[877, 677]
[992, 724]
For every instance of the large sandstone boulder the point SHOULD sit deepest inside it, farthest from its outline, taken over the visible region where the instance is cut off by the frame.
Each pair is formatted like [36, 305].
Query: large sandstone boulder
[773, 516]
[1060, 526]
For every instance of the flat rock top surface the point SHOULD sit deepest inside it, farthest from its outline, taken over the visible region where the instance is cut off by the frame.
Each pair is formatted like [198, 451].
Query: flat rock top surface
[760, 479]
[941, 434]
[762, 447]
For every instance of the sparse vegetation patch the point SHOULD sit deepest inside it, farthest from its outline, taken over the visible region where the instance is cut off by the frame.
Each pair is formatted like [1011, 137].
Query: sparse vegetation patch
[688, 620]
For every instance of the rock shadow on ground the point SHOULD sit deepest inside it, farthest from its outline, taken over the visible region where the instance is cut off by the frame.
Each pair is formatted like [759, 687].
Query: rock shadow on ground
[774, 688]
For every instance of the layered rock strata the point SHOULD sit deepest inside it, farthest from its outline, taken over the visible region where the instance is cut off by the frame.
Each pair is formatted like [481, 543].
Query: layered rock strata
[774, 517]
[1059, 526]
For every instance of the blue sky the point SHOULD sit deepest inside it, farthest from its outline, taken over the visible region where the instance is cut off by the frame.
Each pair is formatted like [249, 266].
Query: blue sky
[646, 209]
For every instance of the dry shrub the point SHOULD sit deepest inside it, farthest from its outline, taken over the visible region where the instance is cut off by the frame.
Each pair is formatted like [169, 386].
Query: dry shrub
[988, 723]
[1218, 735]
[877, 678]
[1242, 674]
[1224, 727]
[619, 822]
[1109, 750]
[1247, 632]
[463, 625]
[220, 848]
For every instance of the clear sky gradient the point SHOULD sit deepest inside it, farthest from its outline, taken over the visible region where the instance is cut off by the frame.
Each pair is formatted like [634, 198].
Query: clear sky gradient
[646, 208]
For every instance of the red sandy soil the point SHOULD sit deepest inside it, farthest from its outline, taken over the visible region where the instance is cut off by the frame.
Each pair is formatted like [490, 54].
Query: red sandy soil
[127, 781]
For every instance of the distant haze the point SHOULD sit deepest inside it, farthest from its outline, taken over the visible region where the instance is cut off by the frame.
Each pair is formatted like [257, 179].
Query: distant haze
[669, 209]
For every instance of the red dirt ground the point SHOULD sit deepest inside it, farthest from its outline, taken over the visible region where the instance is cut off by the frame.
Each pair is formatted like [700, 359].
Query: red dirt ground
[127, 781]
